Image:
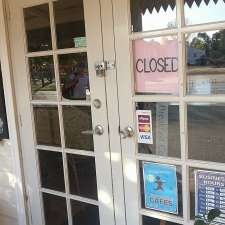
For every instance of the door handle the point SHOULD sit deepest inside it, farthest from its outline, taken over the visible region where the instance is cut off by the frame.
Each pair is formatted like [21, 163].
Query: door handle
[98, 130]
[128, 132]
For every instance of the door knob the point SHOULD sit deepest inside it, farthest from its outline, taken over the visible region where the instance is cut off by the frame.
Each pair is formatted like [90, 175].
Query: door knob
[99, 130]
[127, 132]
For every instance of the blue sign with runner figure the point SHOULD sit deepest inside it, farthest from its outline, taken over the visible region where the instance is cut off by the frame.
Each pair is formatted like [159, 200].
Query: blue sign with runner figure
[210, 193]
[160, 187]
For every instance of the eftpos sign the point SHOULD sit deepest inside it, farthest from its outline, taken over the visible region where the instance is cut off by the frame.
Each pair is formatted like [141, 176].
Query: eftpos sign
[4, 134]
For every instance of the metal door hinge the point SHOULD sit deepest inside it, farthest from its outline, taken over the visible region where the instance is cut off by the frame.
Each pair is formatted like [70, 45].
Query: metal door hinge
[110, 65]
[101, 67]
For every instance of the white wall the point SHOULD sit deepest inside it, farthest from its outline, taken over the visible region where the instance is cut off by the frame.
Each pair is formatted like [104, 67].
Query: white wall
[8, 207]
[12, 190]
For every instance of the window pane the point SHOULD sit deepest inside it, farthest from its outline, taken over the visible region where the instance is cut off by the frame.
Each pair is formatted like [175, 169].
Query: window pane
[153, 15]
[203, 11]
[165, 129]
[37, 25]
[78, 127]
[74, 77]
[46, 120]
[192, 192]
[153, 221]
[206, 128]
[211, 194]
[84, 214]
[179, 186]
[206, 62]
[55, 210]
[42, 78]
[4, 131]
[51, 170]
[82, 176]
[70, 26]
[156, 65]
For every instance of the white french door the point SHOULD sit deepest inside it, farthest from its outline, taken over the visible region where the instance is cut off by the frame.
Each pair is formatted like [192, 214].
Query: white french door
[100, 143]
[171, 92]
[62, 109]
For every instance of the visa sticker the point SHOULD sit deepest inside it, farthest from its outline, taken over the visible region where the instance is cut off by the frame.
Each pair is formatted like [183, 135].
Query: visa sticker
[144, 126]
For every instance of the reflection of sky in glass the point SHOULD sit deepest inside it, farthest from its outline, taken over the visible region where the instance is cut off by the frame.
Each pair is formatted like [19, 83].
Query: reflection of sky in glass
[158, 20]
[161, 40]
[194, 15]
[205, 13]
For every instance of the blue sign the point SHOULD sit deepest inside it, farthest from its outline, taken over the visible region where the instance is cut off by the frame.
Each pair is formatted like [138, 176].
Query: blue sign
[210, 193]
[160, 187]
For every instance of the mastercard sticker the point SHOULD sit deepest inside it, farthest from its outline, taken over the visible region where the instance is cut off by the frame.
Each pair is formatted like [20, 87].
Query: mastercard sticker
[144, 126]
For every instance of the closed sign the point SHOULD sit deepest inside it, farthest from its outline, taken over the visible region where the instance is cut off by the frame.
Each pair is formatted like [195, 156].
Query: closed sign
[156, 65]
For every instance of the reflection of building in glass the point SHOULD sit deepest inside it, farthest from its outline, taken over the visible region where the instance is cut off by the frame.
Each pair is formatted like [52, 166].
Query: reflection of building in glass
[206, 62]
[154, 15]
[158, 5]
[195, 55]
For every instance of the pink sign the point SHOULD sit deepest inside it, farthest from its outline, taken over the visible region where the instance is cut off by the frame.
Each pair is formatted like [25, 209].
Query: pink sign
[156, 65]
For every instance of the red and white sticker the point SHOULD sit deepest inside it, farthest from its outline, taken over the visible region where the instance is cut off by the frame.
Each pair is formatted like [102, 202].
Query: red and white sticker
[144, 126]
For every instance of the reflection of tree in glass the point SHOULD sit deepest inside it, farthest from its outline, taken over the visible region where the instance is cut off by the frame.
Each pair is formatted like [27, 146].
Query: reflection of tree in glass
[42, 72]
[214, 47]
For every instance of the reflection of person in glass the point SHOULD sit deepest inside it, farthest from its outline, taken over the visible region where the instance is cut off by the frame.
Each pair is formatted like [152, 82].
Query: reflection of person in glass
[77, 83]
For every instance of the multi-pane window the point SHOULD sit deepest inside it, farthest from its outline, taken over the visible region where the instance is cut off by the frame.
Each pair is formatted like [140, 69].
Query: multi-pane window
[179, 82]
[59, 93]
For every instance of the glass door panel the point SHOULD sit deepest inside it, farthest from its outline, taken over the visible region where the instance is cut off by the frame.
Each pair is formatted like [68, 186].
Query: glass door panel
[73, 72]
[66, 154]
[70, 24]
[37, 26]
[42, 78]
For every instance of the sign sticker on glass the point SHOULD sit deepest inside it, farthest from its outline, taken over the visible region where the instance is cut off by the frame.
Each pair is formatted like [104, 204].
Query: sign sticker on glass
[210, 193]
[80, 42]
[156, 65]
[144, 126]
[160, 187]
